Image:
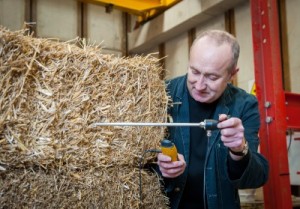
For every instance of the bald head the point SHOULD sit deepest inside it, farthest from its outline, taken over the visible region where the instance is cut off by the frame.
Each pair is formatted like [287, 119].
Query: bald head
[218, 38]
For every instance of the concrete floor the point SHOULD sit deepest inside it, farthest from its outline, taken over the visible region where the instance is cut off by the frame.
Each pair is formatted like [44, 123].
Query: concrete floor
[260, 204]
[252, 205]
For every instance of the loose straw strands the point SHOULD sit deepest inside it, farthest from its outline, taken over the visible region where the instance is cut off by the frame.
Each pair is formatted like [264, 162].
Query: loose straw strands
[50, 94]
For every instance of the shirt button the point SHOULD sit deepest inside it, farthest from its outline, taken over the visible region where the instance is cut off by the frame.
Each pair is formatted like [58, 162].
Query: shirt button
[177, 189]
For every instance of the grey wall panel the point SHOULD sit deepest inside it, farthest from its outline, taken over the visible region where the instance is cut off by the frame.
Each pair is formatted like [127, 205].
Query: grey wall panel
[106, 28]
[57, 19]
[12, 14]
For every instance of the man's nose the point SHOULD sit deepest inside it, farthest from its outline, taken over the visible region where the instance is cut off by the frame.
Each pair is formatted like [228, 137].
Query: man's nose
[200, 83]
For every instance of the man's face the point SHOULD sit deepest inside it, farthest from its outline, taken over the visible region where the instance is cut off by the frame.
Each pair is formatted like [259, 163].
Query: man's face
[208, 73]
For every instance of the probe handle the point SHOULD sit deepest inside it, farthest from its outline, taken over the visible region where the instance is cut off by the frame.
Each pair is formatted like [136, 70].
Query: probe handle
[210, 124]
[168, 148]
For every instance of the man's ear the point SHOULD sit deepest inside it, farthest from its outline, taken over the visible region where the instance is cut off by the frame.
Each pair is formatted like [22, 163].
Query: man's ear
[234, 72]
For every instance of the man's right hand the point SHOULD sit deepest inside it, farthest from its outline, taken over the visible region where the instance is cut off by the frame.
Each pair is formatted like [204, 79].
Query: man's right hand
[168, 168]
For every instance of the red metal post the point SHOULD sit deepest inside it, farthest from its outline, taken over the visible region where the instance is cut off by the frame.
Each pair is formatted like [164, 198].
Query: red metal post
[270, 94]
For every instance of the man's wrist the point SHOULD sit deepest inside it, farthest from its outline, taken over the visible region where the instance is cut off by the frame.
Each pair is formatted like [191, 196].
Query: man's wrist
[243, 152]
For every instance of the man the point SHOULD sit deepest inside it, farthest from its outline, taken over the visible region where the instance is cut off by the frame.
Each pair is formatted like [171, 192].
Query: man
[211, 169]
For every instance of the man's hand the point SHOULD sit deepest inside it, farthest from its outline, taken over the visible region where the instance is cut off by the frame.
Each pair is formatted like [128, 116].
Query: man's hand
[168, 168]
[232, 132]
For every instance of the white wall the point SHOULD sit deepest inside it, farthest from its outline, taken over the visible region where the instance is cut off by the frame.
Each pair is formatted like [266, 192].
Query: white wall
[176, 20]
[217, 22]
[243, 29]
[293, 31]
[177, 51]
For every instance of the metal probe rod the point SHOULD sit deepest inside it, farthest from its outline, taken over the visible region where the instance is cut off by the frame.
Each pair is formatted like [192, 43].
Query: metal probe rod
[201, 124]
[207, 124]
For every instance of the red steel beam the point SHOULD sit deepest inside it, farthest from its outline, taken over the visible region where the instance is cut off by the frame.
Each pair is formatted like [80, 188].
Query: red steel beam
[292, 110]
[270, 94]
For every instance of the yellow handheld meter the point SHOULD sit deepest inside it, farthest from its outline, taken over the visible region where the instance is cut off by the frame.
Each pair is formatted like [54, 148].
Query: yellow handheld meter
[168, 148]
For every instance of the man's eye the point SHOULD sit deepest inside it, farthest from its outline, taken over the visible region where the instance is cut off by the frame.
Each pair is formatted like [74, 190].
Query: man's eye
[212, 77]
[195, 71]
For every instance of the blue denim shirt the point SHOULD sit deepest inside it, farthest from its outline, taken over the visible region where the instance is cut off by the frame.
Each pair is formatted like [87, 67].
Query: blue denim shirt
[221, 192]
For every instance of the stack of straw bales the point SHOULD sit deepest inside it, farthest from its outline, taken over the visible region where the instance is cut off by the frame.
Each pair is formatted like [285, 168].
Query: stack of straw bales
[51, 155]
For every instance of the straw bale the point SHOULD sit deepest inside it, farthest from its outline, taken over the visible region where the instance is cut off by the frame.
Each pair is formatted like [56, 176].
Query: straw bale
[103, 188]
[51, 155]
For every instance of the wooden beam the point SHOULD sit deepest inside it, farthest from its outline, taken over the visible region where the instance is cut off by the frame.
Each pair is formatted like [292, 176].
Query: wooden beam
[82, 20]
[230, 27]
[31, 16]
[284, 46]
[162, 57]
